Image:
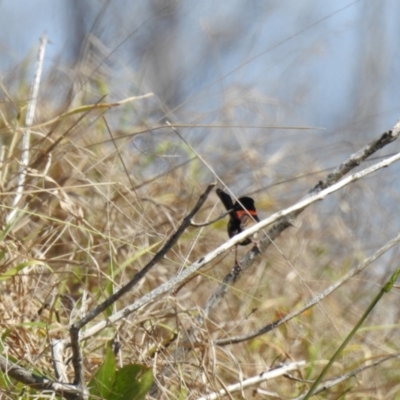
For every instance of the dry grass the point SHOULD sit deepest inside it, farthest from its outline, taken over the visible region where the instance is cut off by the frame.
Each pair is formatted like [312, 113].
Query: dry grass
[98, 206]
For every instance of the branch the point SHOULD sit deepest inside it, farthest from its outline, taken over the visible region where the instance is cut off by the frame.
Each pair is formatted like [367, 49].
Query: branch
[139, 275]
[76, 327]
[334, 381]
[357, 158]
[57, 347]
[245, 262]
[76, 357]
[264, 376]
[284, 217]
[70, 392]
[203, 224]
[315, 300]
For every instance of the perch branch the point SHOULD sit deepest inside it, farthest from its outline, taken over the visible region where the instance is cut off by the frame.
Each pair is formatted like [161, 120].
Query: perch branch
[245, 262]
[283, 221]
[159, 256]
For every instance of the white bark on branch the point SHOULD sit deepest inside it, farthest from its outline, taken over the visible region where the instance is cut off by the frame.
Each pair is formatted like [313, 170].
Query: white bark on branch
[264, 376]
[164, 288]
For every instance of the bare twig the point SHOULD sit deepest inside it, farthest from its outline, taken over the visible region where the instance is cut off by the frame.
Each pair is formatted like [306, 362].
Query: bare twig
[76, 327]
[139, 275]
[315, 300]
[27, 131]
[286, 216]
[264, 376]
[15, 371]
[245, 262]
[203, 224]
[357, 158]
[76, 357]
[57, 347]
[335, 381]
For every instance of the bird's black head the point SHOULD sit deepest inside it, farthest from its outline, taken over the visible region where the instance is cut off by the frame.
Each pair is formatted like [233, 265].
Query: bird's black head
[244, 203]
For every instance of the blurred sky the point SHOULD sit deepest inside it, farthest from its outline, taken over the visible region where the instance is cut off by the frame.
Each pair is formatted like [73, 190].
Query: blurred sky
[308, 54]
[282, 63]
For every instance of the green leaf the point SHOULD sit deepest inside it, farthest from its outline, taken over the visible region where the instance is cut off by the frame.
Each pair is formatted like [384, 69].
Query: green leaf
[132, 382]
[103, 380]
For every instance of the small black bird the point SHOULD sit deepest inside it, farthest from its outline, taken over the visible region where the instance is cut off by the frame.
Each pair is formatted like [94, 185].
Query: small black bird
[239, 218]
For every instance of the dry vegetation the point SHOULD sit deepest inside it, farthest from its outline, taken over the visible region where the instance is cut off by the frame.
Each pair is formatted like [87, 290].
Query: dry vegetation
[106, 188]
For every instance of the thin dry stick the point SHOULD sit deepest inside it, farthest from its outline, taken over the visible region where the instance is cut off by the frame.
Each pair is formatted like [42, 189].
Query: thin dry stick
[232, 242]
[264, 376]
[207, 223]
[57, 348]
[287, 215]
[37, 382]
[26, 138]
[75, 328]
[158, 256]
[284, 222]
[335, 381]
[315, 300]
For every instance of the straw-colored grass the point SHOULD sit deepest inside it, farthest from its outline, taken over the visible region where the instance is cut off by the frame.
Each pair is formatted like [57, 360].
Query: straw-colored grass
[102, 196]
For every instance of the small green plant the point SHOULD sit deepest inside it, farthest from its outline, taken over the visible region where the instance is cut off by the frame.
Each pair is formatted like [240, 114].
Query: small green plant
[131, 382]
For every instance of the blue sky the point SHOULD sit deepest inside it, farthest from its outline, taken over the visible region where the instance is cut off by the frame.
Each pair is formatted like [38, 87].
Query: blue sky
[306, 57]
